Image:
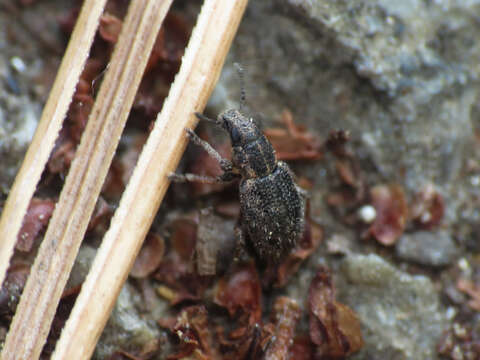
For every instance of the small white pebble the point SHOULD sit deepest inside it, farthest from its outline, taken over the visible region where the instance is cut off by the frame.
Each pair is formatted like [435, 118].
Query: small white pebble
[425, 217]
[457, 353]
[367, 214]
[451, 312]
[475, 180]
[459, 330]
[18, 64]
[464, 265]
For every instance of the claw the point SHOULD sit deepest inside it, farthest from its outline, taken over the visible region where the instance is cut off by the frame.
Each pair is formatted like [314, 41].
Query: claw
[190, 133]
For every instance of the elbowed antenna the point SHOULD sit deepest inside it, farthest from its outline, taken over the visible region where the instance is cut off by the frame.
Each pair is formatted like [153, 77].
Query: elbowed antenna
[242, 85]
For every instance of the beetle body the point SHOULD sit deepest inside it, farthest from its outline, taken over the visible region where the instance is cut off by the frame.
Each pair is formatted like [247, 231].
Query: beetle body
[272, 207]
[272, 213]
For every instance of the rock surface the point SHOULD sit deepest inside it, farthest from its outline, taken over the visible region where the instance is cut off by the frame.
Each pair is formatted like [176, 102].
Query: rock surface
[427, 248]
[400, 314]
[401, 76]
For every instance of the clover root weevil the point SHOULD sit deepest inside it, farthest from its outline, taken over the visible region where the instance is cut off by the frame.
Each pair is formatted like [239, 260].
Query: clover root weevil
[272, 206]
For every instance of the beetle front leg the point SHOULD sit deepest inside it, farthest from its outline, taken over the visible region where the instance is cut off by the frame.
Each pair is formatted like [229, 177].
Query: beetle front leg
[225, 164]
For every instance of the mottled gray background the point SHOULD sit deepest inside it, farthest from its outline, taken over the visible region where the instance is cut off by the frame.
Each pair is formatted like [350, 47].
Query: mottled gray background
[400, 76]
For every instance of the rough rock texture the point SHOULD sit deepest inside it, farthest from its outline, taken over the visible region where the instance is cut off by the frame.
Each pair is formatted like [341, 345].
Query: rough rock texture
[400, 314]
[126, 328]
[427, 248]
[400, 76]
[24, 78]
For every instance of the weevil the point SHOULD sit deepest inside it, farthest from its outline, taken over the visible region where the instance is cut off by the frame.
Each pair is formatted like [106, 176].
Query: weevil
[272, 206]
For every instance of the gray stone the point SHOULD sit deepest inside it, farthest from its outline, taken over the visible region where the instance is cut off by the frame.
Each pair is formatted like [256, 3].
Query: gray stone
[126, 328]
[427, 248]
[83, 262]
[400, 314]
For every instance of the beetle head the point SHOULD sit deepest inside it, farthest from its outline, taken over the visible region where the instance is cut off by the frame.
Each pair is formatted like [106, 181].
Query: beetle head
[242, 129]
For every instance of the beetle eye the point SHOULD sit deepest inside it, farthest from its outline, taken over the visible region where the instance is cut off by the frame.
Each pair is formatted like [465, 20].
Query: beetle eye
[235, 135]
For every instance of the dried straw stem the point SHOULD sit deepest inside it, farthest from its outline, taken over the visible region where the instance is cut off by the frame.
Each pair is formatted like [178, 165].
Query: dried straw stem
[30, 326]
[47, 130]
[201, 65]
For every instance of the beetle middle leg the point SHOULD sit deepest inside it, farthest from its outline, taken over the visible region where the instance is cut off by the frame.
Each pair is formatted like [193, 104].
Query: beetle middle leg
[240, 245]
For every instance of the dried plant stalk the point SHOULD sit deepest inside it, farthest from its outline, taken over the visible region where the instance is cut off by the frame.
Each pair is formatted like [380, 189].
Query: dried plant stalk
[201, 65]
[48, 128]
[30, 326]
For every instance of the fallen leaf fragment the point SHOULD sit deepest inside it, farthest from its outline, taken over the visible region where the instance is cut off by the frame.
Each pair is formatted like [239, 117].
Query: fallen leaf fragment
[36, 220]
[336, 143]
[215, 244]
[428, 207]
[12, 288]
[149, 257]
[101, 214]
[240, 293]
[191, 328]
[472, 290]
[293, 142]
[312, 237]
[110, 27]
[301, 349]
[175, 271]
[334, 327]
[286, 313]
[391, 213]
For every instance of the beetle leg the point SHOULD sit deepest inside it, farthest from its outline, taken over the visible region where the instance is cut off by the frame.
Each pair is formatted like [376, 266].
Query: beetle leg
[304, 193]
[225, 164]
[224, 178]
[240, 245]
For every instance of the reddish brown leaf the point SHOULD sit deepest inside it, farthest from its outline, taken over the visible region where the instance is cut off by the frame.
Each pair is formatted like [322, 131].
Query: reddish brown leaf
[101, 214]
[310, 241]
[346, 172]
[336, 141]
[240, 293]
[36, 220]
[191, 327]
[468, 287]
[301, 349]
[334, 328]
[184, 236]
[286, 314]
[293, 142]
[150, 256]
[110, 27]
[12, 288]
[460, 342]
[163, 64]
[78, 113]
[176, 270]
[61, 157]
[391, 213]
[229, 209]
[428, 207]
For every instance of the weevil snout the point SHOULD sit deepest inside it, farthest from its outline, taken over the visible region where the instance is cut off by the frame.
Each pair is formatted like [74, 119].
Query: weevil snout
[242, 129]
